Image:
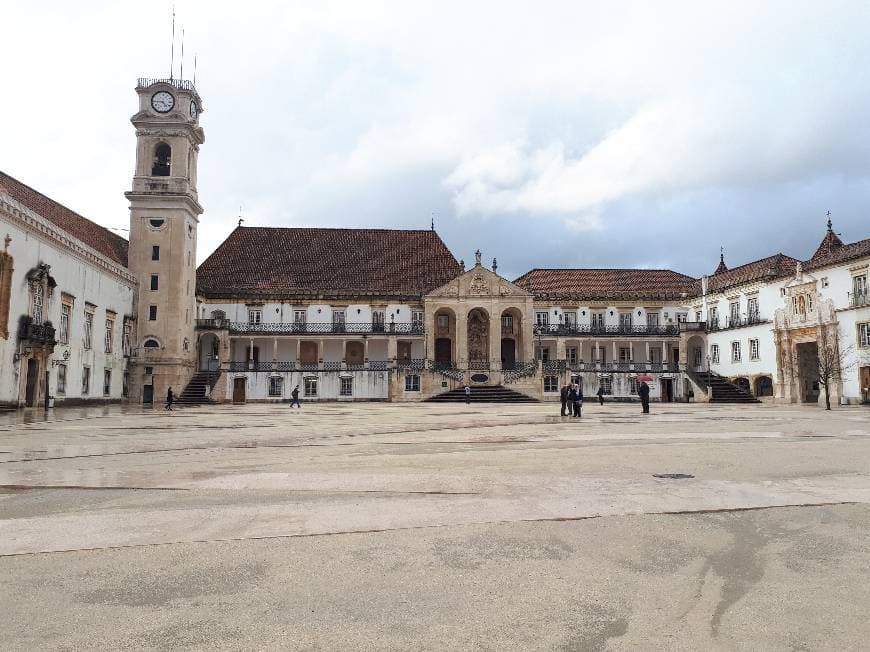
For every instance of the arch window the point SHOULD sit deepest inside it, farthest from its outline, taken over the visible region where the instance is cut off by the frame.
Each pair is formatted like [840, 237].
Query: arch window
[218, 314]
[151, 344]
[37, 298]
[162, 161]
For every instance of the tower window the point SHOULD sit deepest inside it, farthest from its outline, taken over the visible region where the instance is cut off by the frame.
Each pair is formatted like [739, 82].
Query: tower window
[155, 252]
[152, 313]
[151, 344]
[154, 282]
[162, 161]
[156, 223]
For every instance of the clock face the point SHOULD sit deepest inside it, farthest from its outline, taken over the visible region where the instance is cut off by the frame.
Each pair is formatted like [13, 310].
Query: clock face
[193, 110]
[162, 101]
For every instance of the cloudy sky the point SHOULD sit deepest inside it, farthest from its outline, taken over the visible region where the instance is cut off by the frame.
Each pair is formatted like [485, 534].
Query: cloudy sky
[548, 134]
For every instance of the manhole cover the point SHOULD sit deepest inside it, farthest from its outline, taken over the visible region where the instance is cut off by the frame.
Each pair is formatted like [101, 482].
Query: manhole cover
[673, 476]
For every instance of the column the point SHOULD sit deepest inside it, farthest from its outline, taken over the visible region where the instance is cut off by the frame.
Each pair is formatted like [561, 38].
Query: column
[664, 356]
[560, 348]
[615, 357]
[595, 353]
[251, 354]
[298, 351]
[495, 341]
[321, 353]
[646, 362]
[366, 351]
[461, 359]
[392, 346]
[274, 348]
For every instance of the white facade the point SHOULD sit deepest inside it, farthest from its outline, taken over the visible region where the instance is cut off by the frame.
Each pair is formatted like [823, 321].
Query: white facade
[91, 285]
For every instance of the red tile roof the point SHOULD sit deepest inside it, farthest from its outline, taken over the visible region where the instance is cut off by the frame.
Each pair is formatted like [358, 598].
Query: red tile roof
[617, 284]
[92, 234]
[837, 255]
[268, 262]
[776, 266]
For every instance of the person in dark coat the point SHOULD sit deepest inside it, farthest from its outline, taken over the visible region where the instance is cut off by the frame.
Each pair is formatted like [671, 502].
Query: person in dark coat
[563, 396]
[170, 397]
[600, 395]
[572, 398]
[643, 392]
[578, 402]
[295, 398]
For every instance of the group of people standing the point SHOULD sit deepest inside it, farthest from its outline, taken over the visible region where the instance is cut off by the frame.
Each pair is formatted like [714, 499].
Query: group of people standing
[571, 396]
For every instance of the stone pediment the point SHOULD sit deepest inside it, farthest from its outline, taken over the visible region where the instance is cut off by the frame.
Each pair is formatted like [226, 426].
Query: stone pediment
[479, 282]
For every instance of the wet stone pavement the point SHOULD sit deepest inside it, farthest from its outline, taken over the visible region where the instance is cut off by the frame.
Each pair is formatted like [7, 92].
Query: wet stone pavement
[383, 526]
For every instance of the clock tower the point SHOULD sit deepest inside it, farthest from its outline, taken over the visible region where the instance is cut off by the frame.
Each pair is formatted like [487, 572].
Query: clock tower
[164, 215]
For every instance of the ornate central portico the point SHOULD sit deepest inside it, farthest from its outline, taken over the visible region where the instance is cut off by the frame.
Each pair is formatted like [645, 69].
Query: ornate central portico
[477, 322]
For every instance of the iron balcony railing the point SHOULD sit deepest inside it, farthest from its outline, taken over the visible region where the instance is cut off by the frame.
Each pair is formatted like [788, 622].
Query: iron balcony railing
[606, 331]
[337, 328]
[36, 333]
[180, 84]
[859, 300]
[735, 322]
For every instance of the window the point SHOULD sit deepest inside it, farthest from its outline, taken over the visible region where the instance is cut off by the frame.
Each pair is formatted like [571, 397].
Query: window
[276, 386]
[255, 316]
[61, 379]
[155, 252]
[542, 353]
[151, 344]
[632, 385]
[698, 315]
[338, 318]
[735, 351]
[311, 387]
[378, 320]
[864, 334]
[714, 315]
[507, 324]
[126, 342]
[598, 321]
[859, 286]
[624, 354]
[734, 312]
[752, 307]
[298, 316]
[65, 312]
[605, 383]
[753, 350]
[571, 354]
[682, 317]
[417, 316]
[652, 319]
[152, 313]
[89, 329]
[125, 385]
[601, 355]
[109, 341]
[714, 353]
[162, 161]
[107, 382]
[345, 387]
[782, 292]
[86, 380]
[443, 322]
[570, 318]
[155, 223]
[825, 282]
[154, 282]
[412, 383]
[551, 383]
[542, 318]
[37, 297]
[655, 355]
[218, 314]
[625, 319]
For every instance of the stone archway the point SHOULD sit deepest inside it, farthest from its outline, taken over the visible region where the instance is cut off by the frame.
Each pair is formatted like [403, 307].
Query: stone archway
[478, 339]
[444, 342]
[764, 386]
[209, 352]
[511, 337]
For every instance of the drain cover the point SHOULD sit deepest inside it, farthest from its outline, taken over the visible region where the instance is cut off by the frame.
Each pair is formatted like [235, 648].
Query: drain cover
[673, 476]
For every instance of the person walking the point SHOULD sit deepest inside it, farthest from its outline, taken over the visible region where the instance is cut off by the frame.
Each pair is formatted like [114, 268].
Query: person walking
[600, 395]
[572, 398]
[170, 397]
[467, 395]
[295, 398]
[563, 396]
[578, 401]
[643, 392]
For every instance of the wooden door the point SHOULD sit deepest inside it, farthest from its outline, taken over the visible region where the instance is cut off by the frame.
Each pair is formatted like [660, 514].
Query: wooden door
[865, 384]
[32, 380]
[148, 394]
[508, 353]
[443, 351]
[239, 390]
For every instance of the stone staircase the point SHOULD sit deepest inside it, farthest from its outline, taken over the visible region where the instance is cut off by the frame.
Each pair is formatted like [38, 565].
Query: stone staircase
[720, 390]
[196, 392]
[483, 394]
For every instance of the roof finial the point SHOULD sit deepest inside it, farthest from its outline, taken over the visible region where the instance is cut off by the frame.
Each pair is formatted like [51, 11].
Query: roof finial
[6, 241]
[722, 266]
[432, 225]
[830, 224]
[241, 219]
[494, 265]
[462, 264]
[477, 258]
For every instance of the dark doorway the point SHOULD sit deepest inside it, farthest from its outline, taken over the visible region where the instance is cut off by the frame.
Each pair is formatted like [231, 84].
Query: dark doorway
[31, 383]
[239, 390]
[808, 371]
[743, 383]
[764, 386]
[508, 353]
[667, 390]
[443, 351]
[148, 394]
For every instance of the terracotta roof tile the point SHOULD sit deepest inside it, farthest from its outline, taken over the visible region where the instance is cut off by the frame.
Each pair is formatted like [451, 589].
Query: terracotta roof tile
[294, 262]
[92, 234]
[837, 255]
[772, 267]
[617, 284]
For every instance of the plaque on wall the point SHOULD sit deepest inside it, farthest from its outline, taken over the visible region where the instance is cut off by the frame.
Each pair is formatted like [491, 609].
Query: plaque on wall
[479, 378]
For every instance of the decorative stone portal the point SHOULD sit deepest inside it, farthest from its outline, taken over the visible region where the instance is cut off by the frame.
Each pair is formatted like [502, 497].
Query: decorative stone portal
[478, 339]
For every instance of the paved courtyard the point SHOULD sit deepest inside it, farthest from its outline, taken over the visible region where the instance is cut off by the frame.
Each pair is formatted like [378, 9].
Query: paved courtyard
[382, 526]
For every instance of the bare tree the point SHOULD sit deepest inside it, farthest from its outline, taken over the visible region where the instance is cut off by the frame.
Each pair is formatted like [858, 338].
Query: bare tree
[834, 361]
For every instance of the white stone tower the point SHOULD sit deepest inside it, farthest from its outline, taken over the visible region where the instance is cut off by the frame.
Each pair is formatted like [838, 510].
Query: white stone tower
[164, 214]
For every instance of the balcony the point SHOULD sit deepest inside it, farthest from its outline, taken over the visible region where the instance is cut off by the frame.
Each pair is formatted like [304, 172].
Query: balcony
[859, 300]
[337, 328]
[752, 319]
[213, 324]
[35, 333]
[595, 330]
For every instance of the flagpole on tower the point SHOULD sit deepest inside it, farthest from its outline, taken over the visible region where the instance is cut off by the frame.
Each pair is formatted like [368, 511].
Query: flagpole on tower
[181, 74]
[172, 47]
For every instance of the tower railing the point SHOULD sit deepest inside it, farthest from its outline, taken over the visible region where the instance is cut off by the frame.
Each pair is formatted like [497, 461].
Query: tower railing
[180, 84]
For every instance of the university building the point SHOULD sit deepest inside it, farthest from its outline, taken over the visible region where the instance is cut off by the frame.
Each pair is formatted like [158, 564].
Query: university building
[379, 314]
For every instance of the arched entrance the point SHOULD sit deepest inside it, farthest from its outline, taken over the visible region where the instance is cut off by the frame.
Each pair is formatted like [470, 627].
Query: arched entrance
[511, 337]
[764, 386]
[354, 353]
[478, 339]
[445, 336]
[743, 383]
[209, 352]
[695, 354]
